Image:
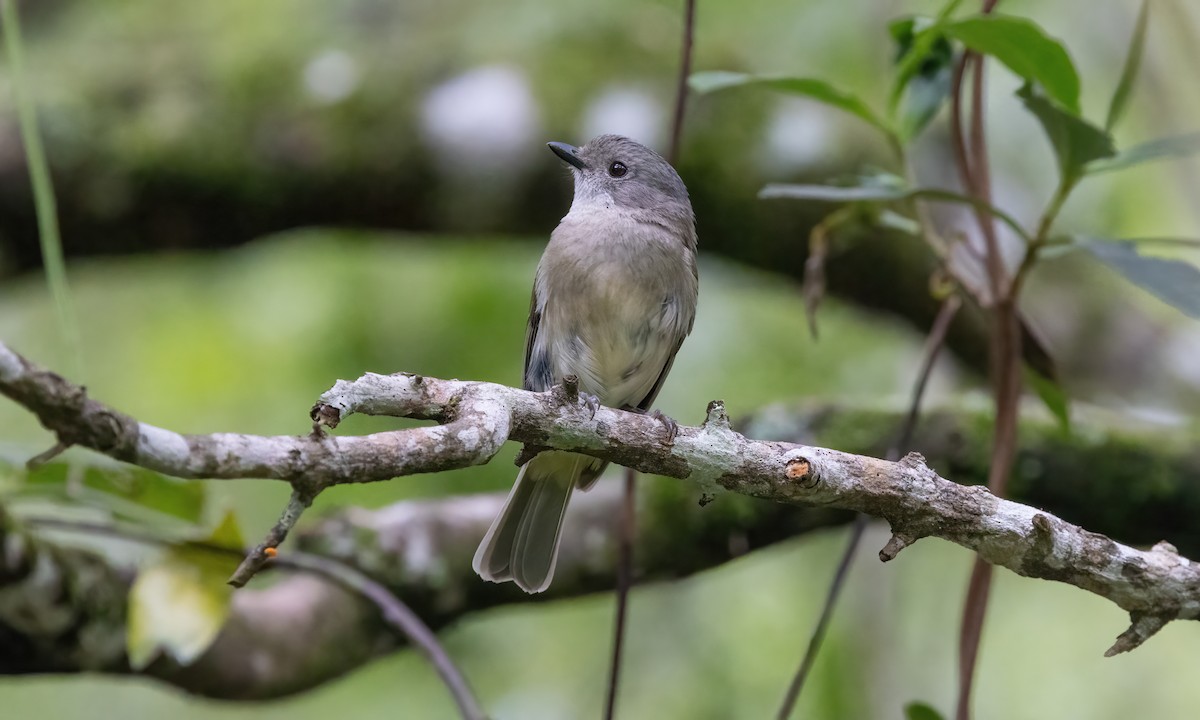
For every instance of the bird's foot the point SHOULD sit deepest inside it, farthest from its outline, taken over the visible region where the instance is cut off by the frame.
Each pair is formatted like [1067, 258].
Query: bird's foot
[670, 427]
[591, 402]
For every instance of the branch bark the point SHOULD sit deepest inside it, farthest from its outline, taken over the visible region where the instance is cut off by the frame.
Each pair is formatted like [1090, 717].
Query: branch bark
[1154, 586]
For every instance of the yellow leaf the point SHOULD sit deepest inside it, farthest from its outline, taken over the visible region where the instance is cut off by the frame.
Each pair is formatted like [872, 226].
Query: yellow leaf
[178, 605]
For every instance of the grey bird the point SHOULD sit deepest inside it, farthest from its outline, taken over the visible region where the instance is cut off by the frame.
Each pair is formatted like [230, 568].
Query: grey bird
[613, 298]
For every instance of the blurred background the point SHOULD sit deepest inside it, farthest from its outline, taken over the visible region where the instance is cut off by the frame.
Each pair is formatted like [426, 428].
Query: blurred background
[259, 198]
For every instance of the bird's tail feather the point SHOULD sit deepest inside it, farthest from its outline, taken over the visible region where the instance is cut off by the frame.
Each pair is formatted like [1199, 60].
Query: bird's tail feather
[522, 543]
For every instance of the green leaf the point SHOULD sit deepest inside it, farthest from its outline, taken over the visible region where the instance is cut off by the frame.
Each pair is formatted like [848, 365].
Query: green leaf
[921, 711]
[927, 85]
[1076, 142]
[1025, 49]
[882, 193]
[1133, 61]
[819, 90]
[926, 35]
[126, 491]
[178, 605]
[1175, 282]
[1053, 396]
[1160, 149]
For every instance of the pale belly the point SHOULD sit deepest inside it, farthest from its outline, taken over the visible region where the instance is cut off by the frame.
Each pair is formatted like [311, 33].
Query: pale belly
[615, 344]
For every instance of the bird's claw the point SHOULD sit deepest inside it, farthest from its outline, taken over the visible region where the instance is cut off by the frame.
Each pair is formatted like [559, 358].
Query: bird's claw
[670, 427]
[591, 402]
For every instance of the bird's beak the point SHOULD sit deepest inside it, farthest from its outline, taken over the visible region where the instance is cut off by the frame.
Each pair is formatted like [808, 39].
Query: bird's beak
[569, 153]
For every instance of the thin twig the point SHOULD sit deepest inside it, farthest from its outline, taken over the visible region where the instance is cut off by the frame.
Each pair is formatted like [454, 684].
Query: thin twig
[627, 527]
[933, 345]
[46, 456]
[681, 88]
[394, 612]
[818, 633]
[256, 558]
[970, 632]
[400, 617]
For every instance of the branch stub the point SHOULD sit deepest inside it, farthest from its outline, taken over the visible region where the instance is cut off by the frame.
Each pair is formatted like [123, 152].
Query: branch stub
[715, 416]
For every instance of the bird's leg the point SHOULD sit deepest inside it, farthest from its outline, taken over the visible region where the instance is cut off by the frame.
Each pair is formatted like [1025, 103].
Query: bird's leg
[670, 427]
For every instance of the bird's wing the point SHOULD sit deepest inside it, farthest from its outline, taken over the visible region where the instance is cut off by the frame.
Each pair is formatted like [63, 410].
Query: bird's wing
[539, 379]
[658, 383]
[682, 332]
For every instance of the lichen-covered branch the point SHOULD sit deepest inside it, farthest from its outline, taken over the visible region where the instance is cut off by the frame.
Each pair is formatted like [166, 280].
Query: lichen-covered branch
[63, 610]
[478, 417]
[304, 631]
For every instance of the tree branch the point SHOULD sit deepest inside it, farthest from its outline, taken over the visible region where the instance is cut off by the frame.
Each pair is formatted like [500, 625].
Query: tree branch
[479, 417]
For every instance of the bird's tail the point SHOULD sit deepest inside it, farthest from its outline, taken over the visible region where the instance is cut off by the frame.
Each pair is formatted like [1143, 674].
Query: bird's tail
[522, 544]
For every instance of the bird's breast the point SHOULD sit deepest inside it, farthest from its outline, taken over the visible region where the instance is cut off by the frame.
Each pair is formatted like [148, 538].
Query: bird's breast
[614, 300]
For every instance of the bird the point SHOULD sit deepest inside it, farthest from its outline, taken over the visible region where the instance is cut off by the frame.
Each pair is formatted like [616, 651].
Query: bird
[614, 296]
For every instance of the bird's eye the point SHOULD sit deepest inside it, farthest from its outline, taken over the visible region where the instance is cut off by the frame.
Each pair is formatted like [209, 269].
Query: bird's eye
[617, 169]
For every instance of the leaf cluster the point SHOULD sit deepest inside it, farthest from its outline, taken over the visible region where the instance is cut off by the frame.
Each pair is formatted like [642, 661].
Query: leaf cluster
[928, 52]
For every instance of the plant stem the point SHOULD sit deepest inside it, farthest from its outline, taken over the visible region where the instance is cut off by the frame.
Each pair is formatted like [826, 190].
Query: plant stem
[1042, 236]
[43, 190]
[685, 69]
[1004, 353]
[627, 528]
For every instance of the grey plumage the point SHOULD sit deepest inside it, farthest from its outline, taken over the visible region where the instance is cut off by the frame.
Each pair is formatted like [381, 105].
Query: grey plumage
[613, 298]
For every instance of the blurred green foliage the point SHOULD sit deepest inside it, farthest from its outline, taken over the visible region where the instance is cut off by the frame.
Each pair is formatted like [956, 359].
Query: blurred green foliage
[148, 103]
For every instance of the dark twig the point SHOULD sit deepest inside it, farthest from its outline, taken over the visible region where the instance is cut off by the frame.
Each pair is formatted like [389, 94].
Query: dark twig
[400, 617]
[970, 632]
[627, 528]
[933, 345]
[681, 88]
[818, 633]
[42, 458]
[392, 609]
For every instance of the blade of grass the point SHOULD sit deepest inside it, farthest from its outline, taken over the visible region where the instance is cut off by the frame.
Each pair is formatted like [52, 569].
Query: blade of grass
[43, 190]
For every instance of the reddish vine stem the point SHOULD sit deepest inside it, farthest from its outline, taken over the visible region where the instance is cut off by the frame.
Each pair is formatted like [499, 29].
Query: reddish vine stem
[1004, 352]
